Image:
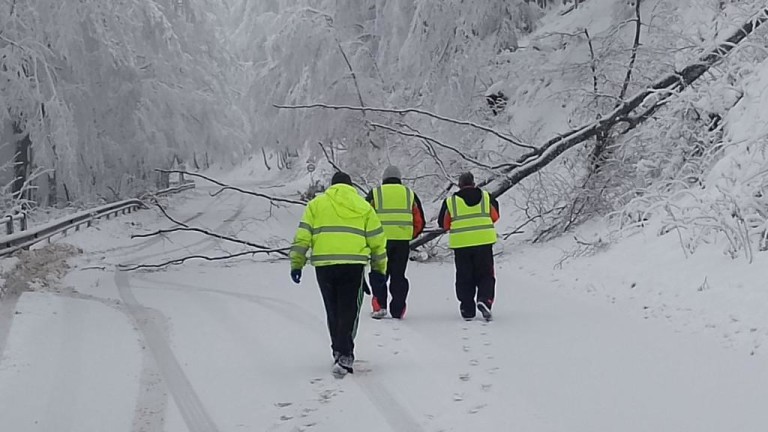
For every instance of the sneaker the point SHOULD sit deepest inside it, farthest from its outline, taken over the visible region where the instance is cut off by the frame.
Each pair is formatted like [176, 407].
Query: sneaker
[346, 361]
[468, 318]
[338, 371]
[379, 314]
[485, 311]
[336, 356]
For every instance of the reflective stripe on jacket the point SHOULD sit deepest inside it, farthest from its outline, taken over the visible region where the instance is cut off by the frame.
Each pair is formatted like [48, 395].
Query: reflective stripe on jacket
[394, 206]
[340, 227]
[470, 225]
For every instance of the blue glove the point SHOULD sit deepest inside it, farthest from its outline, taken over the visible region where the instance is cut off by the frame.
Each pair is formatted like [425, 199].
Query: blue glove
[296, 275]
[378, 280]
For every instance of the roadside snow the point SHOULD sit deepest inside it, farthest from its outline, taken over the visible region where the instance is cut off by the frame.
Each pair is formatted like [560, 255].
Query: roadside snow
[619, 340]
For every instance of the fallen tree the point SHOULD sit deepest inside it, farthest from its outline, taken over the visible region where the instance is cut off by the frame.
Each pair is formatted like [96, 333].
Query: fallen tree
[631, 113]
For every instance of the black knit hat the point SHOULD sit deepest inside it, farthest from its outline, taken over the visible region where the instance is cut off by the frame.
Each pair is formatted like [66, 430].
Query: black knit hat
[341, 177]
[466, 179]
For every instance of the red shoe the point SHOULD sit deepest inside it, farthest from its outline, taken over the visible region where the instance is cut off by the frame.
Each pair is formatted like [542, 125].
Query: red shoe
[375, 305]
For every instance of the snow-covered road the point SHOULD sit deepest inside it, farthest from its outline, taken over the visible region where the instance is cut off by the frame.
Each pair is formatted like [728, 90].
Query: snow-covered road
[236, 346]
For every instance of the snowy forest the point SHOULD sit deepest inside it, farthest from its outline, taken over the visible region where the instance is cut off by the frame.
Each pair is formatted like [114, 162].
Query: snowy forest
[98, 96]
[623, 146]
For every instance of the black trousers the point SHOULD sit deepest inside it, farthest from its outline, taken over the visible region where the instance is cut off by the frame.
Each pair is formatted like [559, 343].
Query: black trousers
[398, 252]
[475, 278]
[341, 286]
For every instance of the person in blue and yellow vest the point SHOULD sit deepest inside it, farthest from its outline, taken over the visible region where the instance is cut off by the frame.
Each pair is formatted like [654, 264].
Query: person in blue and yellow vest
[469, 216]
[402, 217]
[344, 234]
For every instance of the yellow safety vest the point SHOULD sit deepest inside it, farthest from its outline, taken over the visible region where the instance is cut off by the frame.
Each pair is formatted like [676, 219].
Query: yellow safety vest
[394, 206]
[340, 227]
[470, 226]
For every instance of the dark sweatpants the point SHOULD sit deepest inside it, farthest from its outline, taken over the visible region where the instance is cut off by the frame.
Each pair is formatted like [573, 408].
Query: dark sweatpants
[341, 286]
[398, 252]
[475, 278]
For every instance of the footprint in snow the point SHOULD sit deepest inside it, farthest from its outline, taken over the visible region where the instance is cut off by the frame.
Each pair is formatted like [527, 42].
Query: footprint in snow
[466, 348]
[283, 404]
[286, 417]
[486, 387]
[464, 377]
[476, 409]
[474, 362]
[326, 396]
[458, 397]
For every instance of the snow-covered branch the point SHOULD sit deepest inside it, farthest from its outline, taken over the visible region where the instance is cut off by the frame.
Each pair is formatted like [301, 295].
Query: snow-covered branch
[225, 186]
[182, 260]
[649, 101]
[405, 111]
[443, 145]
[183, 227]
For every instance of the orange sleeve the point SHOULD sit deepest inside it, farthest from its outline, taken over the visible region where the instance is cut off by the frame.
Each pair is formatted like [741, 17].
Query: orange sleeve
[447, 221]
[494, 214]
[418, 221]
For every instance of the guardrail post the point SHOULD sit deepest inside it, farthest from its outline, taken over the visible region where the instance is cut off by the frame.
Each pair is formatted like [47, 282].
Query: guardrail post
[23, 221]
[9, 225]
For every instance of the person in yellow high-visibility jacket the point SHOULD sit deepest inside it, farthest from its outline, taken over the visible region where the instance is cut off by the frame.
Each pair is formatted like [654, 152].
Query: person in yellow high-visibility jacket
[469, 217]
[402, 217]
[344, 234]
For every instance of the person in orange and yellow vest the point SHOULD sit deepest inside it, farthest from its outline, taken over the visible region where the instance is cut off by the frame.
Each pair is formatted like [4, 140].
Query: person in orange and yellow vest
[344, 234]
[402, 217]
[469, 216]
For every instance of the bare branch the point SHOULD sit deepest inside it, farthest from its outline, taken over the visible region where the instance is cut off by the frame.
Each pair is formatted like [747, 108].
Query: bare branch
[592, 63]
[404, 111]
[662, 91]
[633, 57]
[182, 260]
[235, 188]
[185, 227]
[337, 168]
[430, 150]
[443, 145]
[352, 72]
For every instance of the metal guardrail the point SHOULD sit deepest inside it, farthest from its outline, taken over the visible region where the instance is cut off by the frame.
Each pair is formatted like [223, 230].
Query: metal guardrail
[24, 239]
[10, 222]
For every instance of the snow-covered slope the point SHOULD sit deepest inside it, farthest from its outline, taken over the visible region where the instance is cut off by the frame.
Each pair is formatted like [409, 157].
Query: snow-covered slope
[237, 346]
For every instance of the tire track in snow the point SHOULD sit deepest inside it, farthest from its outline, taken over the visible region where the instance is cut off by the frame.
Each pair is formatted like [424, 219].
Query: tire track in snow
[188, 402]
[127, 250]
[394, 413]
[161, 371]
[7, 312]
[188, 248]
[149, 413]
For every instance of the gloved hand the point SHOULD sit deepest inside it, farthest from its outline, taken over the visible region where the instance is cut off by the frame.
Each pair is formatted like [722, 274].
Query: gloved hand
[378, 280]
[296, 275]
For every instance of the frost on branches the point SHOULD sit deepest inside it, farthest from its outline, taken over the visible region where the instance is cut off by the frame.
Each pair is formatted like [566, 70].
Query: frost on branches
[105, 92]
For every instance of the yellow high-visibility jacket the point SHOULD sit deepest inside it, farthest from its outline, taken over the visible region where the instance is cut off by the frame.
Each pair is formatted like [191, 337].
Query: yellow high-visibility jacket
[394, 206]
[340, 227]
[470, 225]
